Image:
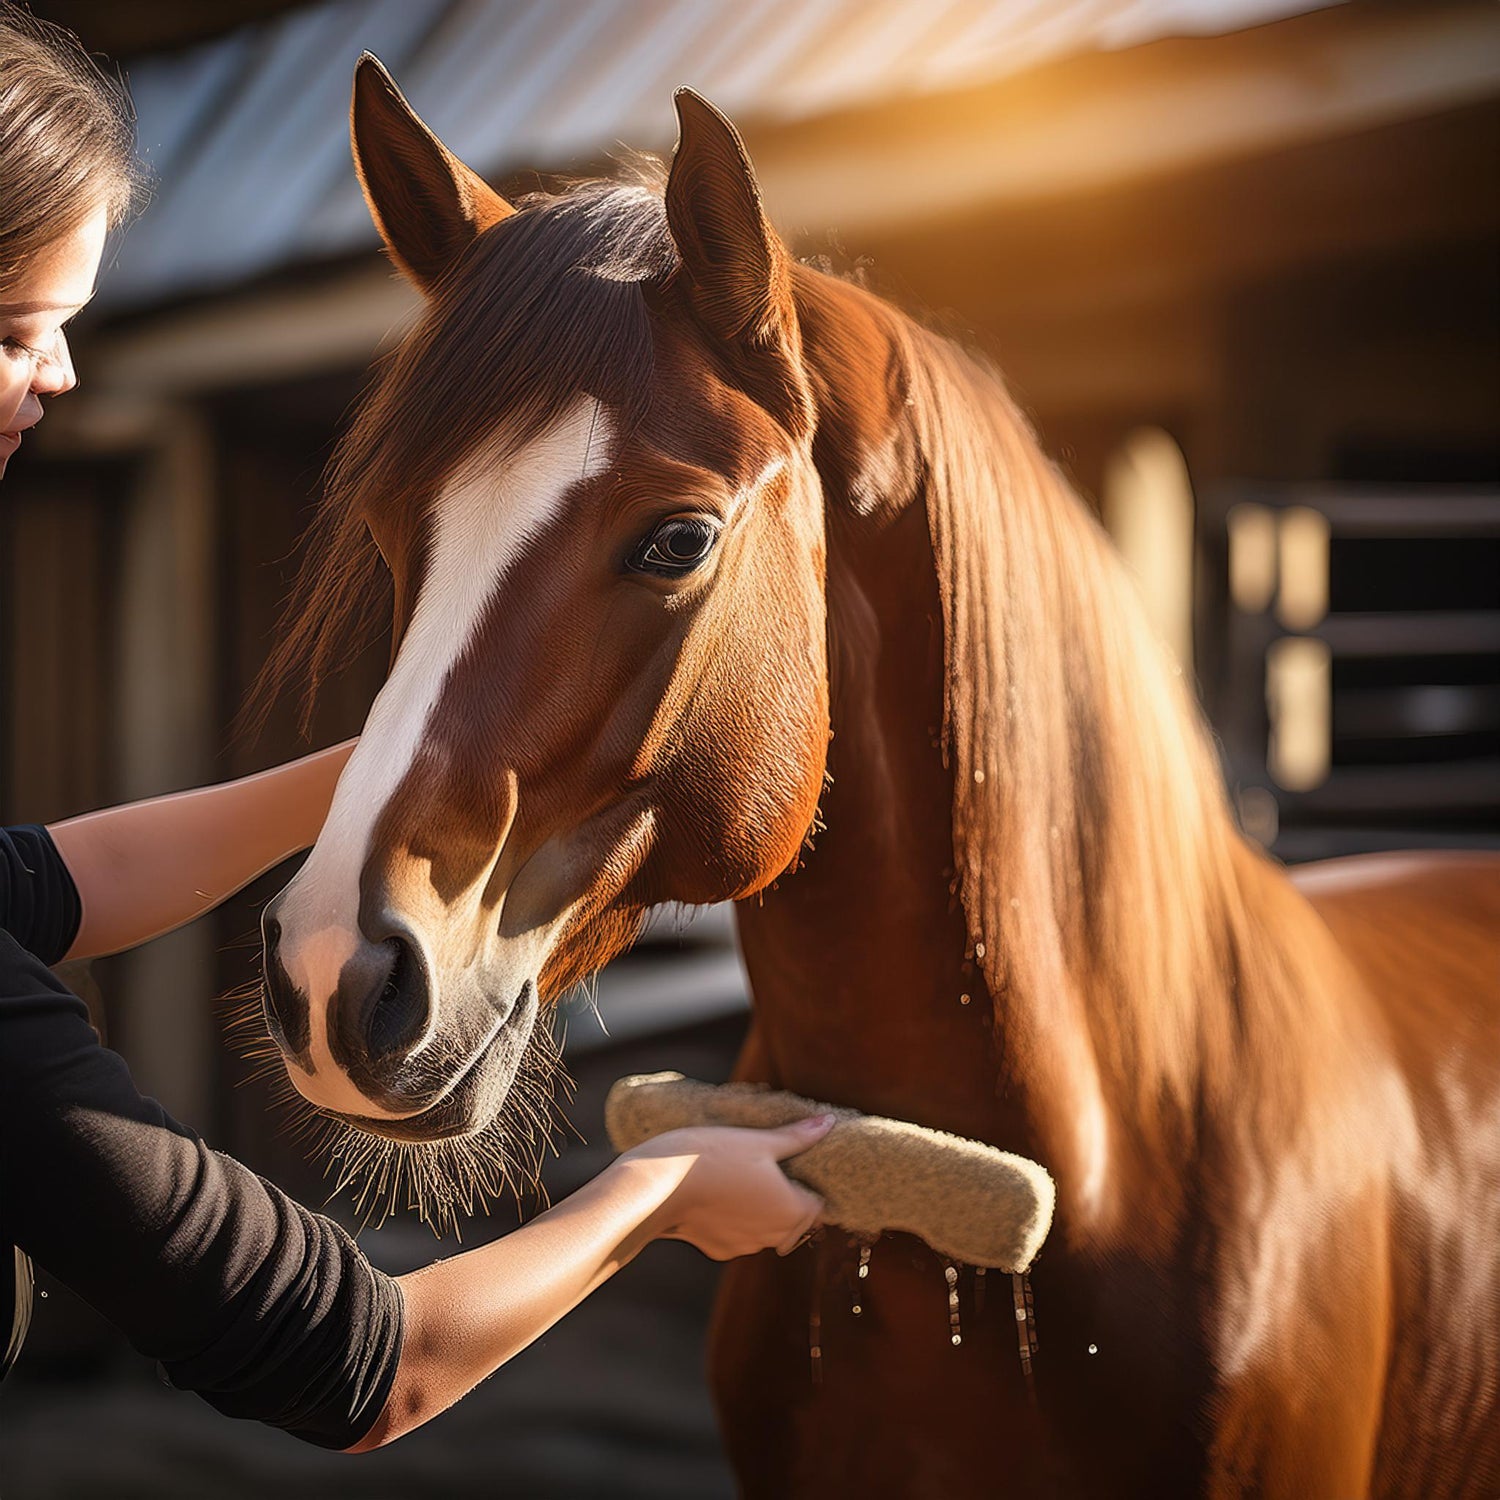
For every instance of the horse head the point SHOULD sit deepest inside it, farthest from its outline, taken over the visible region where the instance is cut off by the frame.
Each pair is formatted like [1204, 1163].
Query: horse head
[589, 472]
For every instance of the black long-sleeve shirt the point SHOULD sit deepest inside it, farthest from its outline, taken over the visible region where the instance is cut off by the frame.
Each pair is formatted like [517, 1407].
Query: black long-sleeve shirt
[265, 1309]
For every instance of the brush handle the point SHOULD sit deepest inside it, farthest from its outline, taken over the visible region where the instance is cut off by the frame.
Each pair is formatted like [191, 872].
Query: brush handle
[970, 1202]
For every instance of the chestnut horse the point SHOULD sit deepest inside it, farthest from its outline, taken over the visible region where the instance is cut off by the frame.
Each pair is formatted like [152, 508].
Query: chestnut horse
[715, 577]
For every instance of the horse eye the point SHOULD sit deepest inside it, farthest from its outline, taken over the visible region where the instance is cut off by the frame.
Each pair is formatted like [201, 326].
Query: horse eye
[676, 547]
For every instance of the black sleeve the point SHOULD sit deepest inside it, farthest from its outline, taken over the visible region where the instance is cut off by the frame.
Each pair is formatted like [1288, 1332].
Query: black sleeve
[265, 1309]
[39, 904]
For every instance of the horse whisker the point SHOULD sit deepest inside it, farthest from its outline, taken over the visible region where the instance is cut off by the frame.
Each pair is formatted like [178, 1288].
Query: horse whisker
[442, 1182]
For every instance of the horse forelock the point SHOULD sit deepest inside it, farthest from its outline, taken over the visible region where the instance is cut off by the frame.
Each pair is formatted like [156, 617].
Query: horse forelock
[546, 307]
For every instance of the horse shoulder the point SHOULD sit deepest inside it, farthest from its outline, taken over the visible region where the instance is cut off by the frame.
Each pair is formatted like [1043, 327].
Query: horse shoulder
[1422, 930]
[1423, 933]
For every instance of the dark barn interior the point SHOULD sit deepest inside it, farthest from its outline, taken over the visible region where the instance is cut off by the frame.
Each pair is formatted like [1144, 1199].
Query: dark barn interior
[1246, 283]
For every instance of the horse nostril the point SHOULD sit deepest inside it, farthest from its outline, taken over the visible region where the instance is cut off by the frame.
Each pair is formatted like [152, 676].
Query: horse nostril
[285, 1006]
[397, 1015]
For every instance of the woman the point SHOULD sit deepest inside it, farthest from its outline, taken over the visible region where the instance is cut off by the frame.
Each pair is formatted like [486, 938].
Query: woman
[266, 1309]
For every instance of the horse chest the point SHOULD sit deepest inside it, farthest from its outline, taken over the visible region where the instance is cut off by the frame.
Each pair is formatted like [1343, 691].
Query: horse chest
[886, 1024]
[891, 1405]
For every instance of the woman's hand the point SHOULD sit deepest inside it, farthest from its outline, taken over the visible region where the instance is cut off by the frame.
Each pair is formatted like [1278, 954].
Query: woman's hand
[729, 1195]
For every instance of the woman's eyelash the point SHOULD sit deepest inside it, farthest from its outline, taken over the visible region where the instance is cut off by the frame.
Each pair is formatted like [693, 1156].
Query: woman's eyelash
[14, 345]
[19, 347]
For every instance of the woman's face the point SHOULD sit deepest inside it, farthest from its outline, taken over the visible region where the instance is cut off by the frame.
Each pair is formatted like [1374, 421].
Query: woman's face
[34, 358]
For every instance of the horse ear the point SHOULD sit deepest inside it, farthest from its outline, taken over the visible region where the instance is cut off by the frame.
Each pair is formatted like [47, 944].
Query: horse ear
[736, 265]
[425, 202]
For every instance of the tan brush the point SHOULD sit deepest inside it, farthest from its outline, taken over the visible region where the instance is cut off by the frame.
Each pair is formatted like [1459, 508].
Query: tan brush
[971, 1202]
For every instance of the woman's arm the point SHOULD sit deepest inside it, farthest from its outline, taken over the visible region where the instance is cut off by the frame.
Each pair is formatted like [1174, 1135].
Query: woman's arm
[721, 1189]
[148, 867]
[273, 1313]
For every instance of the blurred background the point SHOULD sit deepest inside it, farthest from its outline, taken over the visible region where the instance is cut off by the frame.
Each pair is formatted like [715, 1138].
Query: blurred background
[1240, 261]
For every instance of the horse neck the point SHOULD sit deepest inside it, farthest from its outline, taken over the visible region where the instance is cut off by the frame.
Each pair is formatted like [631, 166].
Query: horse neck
[1018, 920]
[868, 991]
[866, 988]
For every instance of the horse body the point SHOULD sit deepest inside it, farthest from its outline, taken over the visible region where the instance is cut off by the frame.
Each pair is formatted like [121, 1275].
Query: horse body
[1423, 932]
[1373, 1370]
[1280, 1337]
[678, 533]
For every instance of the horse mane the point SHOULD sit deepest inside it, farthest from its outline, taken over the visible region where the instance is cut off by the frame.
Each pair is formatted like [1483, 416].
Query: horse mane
[547, 303]
[1140, 954]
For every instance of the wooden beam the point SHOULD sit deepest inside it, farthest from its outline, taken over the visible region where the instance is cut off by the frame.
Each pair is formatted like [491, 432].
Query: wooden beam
[1395, 187]
[165, 735]
[1105, 118]
[268, 334]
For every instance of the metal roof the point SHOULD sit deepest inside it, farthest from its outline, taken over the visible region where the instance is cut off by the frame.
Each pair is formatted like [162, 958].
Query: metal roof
[247, 135]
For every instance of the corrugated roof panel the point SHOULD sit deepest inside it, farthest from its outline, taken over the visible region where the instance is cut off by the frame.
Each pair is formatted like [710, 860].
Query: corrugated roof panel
[249, 134]
[178, 102]
[875, 47]
[470, 58]
[231, 202]
[628, 89]
[754, 70]
[1041, 30]
[569, 67]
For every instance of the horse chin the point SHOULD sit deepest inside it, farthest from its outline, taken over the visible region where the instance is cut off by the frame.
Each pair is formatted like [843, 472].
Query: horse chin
[476, 1097]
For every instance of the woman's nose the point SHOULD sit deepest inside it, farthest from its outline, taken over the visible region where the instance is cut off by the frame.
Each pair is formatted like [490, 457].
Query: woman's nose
[55, 374]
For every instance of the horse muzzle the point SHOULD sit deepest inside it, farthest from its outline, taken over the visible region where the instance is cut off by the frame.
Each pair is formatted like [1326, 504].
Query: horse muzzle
[471, 1097]
[386, 1041]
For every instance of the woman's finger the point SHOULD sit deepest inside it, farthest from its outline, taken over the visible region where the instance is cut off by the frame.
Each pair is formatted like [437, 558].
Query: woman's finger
[801, 1134]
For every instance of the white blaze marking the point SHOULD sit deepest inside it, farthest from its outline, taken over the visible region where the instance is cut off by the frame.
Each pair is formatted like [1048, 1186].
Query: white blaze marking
[755, 487]
[482, 520]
